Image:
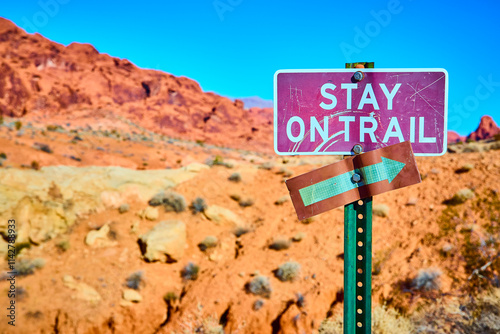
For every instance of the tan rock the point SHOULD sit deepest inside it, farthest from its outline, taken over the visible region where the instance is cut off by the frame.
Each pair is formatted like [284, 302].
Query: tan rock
[165, 242]
[131, 295]
[82, 290]
[149, 213]
[223, 216]
[99, 238]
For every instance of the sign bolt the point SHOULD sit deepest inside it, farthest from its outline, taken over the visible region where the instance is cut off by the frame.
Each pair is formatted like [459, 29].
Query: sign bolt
[358, 76]
[357, 149]
[356, 177]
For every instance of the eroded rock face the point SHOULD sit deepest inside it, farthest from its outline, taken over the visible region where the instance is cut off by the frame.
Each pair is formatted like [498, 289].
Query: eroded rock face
[487, 129]
[38, 75]
[165, 242]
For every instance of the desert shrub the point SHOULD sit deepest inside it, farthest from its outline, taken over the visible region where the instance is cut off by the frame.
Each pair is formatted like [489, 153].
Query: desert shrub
[53, 127]
[427, 279]
[27, 267]
[464, 169]
[389, 321]
[285, 172]
[209, 242]
[471, 148]
[135, 280]
[43, 147]
[282, 200]
[257, 305]
[18, 125]
[267, 165]
[63, 245]
[198, 205]
[308, 221]
[219, 161]
[235, 177]
[240, 230]
[35, 165]
[330, 326]
[460, 197]
[3, 156]
[171, 201]
[190, 272]
[260, 286]
[124, 208]
[380, 210]
[246, 202]
[170, 297]
[280, 244]
[288, 271]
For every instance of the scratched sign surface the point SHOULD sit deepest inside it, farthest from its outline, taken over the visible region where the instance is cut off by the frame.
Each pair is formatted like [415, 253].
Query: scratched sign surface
[321, 112]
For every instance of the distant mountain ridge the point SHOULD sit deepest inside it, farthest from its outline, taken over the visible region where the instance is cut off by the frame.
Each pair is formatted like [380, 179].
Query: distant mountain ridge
[43, 79]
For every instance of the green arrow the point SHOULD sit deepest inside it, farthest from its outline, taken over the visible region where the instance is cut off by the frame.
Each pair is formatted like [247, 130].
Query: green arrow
[385, 170]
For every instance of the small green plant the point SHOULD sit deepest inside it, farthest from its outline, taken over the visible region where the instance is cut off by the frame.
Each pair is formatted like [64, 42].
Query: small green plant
[235, 177]
[171, 201]
[288, 271]
[209, 242]
[190, 272]
[18, 125]
[170, 297]
[53, 127]
[280, 244]
[198, 205]
[259, 286]
[135, 280]
[3, 156]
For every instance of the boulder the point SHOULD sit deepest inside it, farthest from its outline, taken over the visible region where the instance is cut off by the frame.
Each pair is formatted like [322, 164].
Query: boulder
[99, 238]
[223, 216]
[165, 242]
[131, 295]
[82, 290]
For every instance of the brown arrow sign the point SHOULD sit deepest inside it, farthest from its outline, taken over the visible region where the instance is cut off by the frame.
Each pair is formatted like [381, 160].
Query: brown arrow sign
[353, 178]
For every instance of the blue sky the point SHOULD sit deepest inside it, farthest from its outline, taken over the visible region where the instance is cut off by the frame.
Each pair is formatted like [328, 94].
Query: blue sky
[233, 47]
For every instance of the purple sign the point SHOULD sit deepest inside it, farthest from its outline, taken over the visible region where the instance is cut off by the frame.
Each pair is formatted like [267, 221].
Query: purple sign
[322, 112]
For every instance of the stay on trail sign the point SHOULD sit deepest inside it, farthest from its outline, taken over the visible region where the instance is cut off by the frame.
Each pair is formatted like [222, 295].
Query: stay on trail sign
[327, 112]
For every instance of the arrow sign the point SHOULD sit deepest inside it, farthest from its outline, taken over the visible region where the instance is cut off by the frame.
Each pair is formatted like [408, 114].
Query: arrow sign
[354, 178]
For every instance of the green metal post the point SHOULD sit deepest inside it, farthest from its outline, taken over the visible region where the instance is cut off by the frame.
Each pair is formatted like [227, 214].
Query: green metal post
[357, 266]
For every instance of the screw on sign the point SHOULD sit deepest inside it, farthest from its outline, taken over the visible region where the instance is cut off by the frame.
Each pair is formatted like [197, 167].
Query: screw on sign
[391, 116]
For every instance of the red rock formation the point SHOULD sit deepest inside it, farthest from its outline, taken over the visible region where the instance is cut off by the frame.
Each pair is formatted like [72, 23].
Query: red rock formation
[487, 129]
[44, 78]
[454, 137]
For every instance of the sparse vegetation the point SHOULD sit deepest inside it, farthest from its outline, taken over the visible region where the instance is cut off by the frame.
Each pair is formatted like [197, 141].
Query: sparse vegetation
[235, 177]
[288, 271]
[170, 297]
[27, 267]
[35, 165]
[460, 197]
[427, 279]
[259, 286]
[18, 125]
[209, 242]
[257, 305]
[198, 205]
[280, 244]
[190, 272]
[135, 280]
[124, 208]
[63, 245]
[171, 201]
[3, 156]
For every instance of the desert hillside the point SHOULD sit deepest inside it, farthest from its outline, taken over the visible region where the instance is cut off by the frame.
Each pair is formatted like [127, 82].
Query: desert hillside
[45, 81]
